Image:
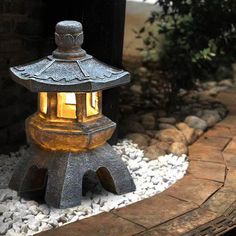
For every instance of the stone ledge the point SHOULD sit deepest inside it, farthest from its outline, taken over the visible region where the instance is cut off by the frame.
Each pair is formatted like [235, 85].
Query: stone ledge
[103, 224]
[155, 210]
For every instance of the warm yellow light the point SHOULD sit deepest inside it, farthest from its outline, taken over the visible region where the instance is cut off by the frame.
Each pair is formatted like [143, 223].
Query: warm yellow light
[70, 99]
[92, 107]
[43, 102]
[66, 105]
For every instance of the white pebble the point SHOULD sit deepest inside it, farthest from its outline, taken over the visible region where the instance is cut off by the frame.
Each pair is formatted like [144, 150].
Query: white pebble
[19, 216]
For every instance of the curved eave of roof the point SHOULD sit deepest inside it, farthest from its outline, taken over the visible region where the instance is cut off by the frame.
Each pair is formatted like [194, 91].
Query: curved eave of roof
[52, 75]
[85, 86]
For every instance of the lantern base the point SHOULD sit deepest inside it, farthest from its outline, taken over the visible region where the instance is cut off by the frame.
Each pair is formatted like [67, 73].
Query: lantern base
[62, 174]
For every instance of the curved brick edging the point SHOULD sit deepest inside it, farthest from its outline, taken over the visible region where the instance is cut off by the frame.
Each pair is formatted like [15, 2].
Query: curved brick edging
[202, 203]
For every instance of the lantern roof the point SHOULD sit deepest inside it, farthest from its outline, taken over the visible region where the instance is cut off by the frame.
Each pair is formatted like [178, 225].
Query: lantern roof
[69, 68]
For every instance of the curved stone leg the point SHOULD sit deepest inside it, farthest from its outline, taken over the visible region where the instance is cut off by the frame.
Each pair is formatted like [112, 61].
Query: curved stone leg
[66, 171]
[29, 174]
[113, 173]
[64, 187]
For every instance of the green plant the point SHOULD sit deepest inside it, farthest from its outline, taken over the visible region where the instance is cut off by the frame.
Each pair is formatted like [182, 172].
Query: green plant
[190, 39]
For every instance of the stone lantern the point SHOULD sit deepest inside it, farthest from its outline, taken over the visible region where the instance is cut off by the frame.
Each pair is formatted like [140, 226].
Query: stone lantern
[67, 135]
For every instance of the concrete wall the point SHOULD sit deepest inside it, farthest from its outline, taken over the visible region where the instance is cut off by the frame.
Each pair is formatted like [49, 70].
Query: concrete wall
[137, 13]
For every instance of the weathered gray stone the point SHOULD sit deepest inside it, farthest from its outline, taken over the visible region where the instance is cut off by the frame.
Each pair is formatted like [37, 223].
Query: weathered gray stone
[211, 117]
[196, 122]
[222, 111]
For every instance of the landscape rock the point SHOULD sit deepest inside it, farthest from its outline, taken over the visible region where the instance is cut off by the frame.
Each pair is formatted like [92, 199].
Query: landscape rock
[211, 117]
[168, 120]
[189, 133]
[166, 126]
[3, 208]
[222, 111]
[196, 122]
[170, 136]
[161, 113]
[161, 145]
[142, 70]
[34, 210]
[148, 121]
[214, 91]
[151, 133]
[153, 152]
[198, 112]
[209, 84]
[7, 214]
[226, 82]
[133, 126]
[141, 139]
[199, 132]
[4, 228]
[178, 148]
[136, 88]
[153, 141]
[33, 224]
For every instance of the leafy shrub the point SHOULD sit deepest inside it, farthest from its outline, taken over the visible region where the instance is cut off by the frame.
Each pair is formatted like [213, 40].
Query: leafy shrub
[190, 39]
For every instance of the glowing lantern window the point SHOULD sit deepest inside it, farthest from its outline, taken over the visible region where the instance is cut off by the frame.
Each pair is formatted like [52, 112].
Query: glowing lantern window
[92, 107]
[43, 102]
[66, 105]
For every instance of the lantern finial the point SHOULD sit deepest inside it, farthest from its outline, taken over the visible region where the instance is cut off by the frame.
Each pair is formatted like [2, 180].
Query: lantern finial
[69, 38]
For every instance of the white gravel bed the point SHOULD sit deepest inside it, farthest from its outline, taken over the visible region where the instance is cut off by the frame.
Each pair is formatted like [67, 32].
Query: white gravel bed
[21, 217]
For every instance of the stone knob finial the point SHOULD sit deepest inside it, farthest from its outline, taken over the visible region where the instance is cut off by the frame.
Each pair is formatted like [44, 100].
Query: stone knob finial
[69, 38]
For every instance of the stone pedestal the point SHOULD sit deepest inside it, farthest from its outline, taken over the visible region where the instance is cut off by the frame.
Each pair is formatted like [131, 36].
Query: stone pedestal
[62, 174]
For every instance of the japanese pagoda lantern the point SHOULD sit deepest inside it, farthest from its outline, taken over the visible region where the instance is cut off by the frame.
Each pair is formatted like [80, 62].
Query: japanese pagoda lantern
[68, 134]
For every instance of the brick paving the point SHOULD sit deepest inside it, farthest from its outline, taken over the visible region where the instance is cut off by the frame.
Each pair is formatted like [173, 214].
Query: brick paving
[202, 203]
